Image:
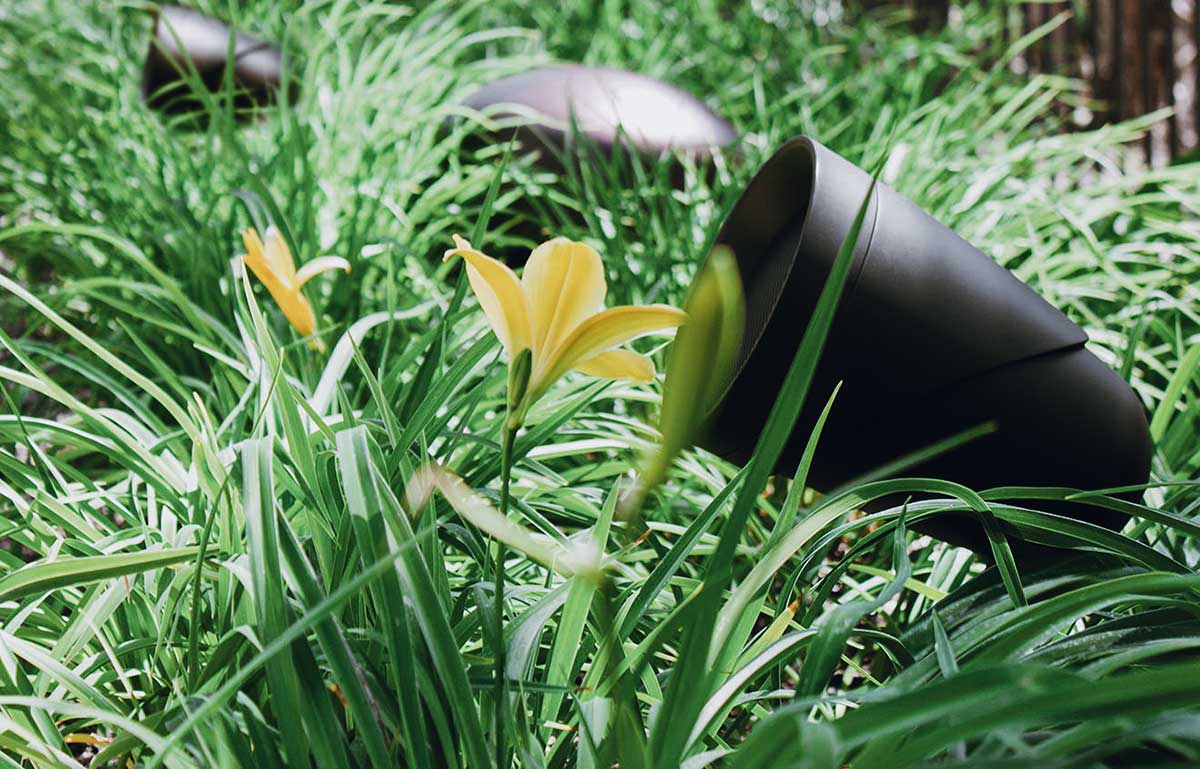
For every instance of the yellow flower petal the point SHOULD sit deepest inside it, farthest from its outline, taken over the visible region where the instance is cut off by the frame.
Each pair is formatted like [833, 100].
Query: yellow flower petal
[256, 260]
[253, 243]
[564, 284]
[279, 256]
[319, 265]
[295, 307]
[298, 312]
[601, 332]
[499, 293]
[618, 364]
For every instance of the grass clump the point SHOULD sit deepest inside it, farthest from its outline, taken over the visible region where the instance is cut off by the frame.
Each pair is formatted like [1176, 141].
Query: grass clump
[210, 557]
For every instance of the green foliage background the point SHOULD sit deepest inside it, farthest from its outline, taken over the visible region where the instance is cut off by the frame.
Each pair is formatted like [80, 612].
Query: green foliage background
[206, 560]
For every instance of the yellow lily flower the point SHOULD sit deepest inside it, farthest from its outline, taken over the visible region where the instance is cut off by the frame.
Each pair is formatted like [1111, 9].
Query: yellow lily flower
[273, 264]
[556, 312]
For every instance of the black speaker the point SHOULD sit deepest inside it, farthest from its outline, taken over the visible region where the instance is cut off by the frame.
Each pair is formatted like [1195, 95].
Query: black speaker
[931, 338]
[607, 105]
[183, 36]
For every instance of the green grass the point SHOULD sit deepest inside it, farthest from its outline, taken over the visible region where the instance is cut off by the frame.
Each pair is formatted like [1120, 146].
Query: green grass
[207, 559]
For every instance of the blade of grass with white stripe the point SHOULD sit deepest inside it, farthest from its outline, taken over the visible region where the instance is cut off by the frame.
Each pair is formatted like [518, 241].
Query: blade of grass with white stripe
[364, 498]
[689, 686]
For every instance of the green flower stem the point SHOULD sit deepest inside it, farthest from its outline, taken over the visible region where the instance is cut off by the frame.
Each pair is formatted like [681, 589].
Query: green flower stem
[507, 437]
[514, 414]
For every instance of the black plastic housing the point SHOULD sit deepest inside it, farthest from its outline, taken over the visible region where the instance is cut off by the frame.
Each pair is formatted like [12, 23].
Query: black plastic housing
[931, 338]
[568, 116]
[182, 35]
[607, 105]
